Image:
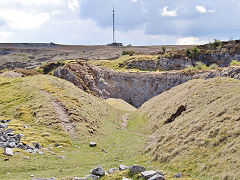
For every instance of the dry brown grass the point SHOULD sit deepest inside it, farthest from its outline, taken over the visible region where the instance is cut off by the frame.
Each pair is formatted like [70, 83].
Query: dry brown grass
[205, 138]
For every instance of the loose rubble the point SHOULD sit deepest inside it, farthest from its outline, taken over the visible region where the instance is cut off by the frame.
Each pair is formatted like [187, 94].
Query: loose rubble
[99, 172]
[9, 140]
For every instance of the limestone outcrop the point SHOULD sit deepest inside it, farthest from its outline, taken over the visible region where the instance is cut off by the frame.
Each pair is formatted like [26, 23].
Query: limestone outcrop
[134, 88]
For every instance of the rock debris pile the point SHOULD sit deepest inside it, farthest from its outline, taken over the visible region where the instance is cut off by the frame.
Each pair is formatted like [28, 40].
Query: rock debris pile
[9, 140]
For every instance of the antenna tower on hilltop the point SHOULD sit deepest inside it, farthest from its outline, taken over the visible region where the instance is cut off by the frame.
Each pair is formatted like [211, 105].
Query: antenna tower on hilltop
[114, 43]
[113, 25]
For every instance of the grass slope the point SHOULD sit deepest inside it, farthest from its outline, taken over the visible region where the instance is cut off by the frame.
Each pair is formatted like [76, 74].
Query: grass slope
[28, 101]
[204, 139]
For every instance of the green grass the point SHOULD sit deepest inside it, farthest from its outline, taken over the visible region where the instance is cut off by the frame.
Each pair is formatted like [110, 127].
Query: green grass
[120, 64]
[22, 101]
[235, 63]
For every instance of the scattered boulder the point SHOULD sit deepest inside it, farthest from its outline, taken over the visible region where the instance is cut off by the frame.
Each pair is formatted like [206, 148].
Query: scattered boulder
[148, 174]
[92, 144]
[98, 171]
[8, 151]
[112, 170]
[123, 167]
[92, 177]
[157, 177]
[137, 169]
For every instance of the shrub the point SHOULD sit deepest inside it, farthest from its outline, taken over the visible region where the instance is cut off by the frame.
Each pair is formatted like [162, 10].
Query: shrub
[217, 43]
[200, 65]
[192, 53]
[235, 63]
[164, 49]
[128, 52]
[189, 68]
[213, 66]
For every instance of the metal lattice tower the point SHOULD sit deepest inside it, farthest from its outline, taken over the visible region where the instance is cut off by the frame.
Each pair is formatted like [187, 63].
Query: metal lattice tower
[113, 25]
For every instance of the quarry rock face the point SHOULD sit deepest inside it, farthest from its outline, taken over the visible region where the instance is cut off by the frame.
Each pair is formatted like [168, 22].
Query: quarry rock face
[134, 88]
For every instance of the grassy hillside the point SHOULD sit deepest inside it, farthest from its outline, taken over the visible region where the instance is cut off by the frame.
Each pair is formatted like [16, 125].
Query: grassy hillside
[43, 104]
[196, 128]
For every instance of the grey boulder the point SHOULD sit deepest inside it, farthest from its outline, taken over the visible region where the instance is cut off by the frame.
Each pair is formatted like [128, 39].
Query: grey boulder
[137, 169]
[98, 171]
[8, 151]
[123, 167]
[157, 177]
[148, 174]
[112, 170]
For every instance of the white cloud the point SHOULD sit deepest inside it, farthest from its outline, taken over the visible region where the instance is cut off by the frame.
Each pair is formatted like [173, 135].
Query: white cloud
[190, 41]
[23, 20]
[201, 9]
[73, 5]
[4, 36]
[33, 2]
[165, 12]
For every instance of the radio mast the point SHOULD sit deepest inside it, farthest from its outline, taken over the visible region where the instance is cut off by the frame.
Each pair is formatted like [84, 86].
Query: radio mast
[113, 26]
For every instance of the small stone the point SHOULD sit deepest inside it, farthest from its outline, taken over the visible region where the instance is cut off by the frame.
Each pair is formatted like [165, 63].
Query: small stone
[37, 145]
[32, 175]
[157, 177]
[5, 121]
[148, 174]
[29, 151]
[3, 126]
[62, 157]
[125, 178]
[98, 171]
[178, 175]
[10, 134]
[8, 151]
[92, 177]
[60, 147]
[9, 131]
[112, 170]
[92, 144]
[6, 159]
[27, 157]
[25, 127]
[136, 169]
[123, 167]
[11, 145]
[40, 152]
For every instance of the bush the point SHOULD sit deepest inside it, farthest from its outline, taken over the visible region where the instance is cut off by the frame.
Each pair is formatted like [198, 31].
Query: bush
[189, 68]
[192, 53]
[217, 43]
[235, 63]
[200, 65]
[128, 52]
[164, 49]
[213, 66]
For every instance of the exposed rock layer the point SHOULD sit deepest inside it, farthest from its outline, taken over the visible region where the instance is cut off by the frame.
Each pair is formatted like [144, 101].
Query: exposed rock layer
[134, 88]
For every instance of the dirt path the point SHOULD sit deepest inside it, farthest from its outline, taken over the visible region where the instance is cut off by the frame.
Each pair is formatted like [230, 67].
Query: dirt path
[62, 115]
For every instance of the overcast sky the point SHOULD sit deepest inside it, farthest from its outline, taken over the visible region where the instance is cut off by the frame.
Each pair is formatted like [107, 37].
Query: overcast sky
[138, 22]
